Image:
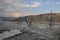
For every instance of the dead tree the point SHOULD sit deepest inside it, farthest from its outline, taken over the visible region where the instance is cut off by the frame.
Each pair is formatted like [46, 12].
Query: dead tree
[29, 20]
[50, 21]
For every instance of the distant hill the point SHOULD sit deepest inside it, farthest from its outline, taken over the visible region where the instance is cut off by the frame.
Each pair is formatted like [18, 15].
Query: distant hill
[6, 18]
[40, 18]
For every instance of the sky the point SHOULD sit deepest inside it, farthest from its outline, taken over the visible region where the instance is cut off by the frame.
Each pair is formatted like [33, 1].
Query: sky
[17, 8]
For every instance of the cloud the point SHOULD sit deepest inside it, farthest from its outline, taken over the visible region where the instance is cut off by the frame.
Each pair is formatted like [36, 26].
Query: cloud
[11, 14]
[57, 2]
[8, 5]
[11, 7]
[18, 3]
[12, 1]
[33, 4]
[15, 14]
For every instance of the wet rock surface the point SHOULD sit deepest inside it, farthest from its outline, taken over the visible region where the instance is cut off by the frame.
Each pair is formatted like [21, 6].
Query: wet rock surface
[24, 36]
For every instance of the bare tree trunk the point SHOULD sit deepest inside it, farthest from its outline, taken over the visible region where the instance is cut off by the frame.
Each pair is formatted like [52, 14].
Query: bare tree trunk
[29, 20]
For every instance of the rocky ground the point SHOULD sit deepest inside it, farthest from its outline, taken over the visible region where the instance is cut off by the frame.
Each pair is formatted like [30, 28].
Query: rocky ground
[36, 32]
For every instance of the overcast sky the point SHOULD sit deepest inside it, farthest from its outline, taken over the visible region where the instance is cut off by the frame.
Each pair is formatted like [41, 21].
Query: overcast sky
[16, 8]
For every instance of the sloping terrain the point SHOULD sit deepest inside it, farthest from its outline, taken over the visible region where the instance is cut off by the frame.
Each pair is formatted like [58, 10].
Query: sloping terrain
[40, 18]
